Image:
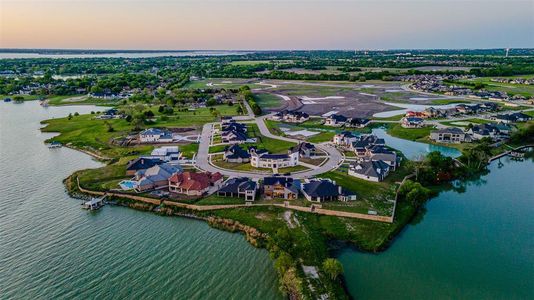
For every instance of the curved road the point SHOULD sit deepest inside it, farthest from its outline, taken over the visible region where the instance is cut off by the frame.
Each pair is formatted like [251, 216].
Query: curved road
[202, 158]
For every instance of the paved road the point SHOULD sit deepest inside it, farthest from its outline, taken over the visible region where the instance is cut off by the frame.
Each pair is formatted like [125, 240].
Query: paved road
[202, 158]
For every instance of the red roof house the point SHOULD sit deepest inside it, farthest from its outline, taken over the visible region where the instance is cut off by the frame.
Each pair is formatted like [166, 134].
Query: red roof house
[194, 184]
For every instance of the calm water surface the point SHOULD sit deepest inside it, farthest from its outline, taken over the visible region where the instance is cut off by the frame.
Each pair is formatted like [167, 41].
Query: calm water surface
[51, 248]
[473, 245]
[414, 150]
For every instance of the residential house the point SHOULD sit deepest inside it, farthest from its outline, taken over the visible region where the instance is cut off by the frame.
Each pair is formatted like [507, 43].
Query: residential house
[416, 114]
[304, 149]
[281, 187]
[236, 154]
[378, 152]
[194, 184]
[412, 122]
[167, 153]
[492, 131]
[345, 139]
[234, 133]
[321, 190]
[239, 187]
[156, 177]
[512, 118]
[451, 135]
[357, 122]
[371, 170]
[290, 116]
[364, 142]
[141, 163]
[335, 120]
[263, 159]
[155, 135]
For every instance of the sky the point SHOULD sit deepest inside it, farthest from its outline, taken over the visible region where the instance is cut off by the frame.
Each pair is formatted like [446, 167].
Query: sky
[266, 24]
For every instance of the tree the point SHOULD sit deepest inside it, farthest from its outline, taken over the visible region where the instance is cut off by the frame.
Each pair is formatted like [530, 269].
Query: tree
[109, 126]
[138, 121]
[70, 116]
[291, 284]
[332, 268]
[284, 262]
[239, 110]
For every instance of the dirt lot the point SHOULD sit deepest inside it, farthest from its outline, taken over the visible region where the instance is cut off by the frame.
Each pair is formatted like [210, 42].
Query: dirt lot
[349, 99]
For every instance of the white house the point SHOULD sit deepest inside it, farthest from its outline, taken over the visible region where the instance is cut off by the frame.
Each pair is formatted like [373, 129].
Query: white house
[166, 153]
[155, 135]
[263, 159]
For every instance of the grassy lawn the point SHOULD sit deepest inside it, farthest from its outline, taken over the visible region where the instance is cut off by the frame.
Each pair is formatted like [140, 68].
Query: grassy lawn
[104, 178]
[25, 97]
[292, 169]
[87, 133]
[321, 137]
[365, 190]
[412, 134]
[464, 123]
[271, 145]
[220, 83]
[249, 62]
[448, 101]
[267, 100]
[189, 150]
[311, 161]
[214, 199]
[392, 118]
[512, 89]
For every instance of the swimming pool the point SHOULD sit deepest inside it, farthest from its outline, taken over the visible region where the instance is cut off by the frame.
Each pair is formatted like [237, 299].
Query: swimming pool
[127, 184]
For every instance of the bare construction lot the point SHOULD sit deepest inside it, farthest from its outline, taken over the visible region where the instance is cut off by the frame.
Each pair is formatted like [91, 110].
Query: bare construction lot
[349, 99]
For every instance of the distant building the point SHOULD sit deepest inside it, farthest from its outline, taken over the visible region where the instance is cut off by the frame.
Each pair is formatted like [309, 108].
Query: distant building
[357, 122]
[291, 116]
[512, 118]
[412, 122]
[335, 120]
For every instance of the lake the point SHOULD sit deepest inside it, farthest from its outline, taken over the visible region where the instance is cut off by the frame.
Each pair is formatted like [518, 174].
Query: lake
[472, 245]
[51, 248]
[414, 150]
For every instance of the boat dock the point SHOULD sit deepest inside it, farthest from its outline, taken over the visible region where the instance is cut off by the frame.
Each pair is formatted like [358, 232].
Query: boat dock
[94, 203]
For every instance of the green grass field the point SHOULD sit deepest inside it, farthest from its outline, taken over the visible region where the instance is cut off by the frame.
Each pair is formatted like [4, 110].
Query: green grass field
[412, 134]
[512, 89]
[266, 101]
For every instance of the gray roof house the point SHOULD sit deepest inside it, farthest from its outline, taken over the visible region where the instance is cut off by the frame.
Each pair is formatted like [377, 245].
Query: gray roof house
[321, 190]
[155, 177]
[371, 170]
